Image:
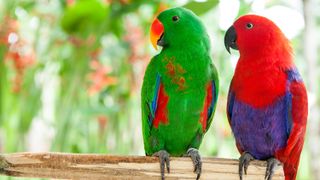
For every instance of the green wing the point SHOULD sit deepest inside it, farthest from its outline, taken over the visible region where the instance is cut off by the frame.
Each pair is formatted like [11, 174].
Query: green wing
[149, 92]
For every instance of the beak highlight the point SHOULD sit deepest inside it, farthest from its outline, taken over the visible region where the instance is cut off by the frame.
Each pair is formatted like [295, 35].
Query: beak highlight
[230, 39]
[156, 32]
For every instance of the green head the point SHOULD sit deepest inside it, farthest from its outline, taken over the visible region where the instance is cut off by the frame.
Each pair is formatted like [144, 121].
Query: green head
[178, 28]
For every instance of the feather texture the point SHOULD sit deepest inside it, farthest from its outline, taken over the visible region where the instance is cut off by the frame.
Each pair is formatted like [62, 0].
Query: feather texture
[180, 87]
[267, 102]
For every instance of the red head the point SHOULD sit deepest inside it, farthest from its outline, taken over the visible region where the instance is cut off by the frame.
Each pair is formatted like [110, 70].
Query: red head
[256, 35]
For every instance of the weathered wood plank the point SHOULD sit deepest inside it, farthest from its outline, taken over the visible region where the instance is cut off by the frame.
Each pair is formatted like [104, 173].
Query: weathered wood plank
[97, 166]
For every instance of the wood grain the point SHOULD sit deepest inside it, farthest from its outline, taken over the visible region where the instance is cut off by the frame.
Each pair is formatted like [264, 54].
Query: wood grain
[97, 166]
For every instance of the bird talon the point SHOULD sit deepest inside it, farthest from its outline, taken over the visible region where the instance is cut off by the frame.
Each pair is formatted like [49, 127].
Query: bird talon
[196, 160]
[244, 162]
[272, 164]
[164, 158]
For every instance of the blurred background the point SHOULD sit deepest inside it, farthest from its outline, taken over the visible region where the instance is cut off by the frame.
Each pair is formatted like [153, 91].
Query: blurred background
[71, 72]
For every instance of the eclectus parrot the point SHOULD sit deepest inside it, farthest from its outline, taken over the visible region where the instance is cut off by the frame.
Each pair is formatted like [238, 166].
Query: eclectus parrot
[180, 88]
[267, 103]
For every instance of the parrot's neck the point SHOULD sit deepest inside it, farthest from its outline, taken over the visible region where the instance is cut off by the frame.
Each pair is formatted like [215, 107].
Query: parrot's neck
[260, 80]
[275, 53]
[279, 56]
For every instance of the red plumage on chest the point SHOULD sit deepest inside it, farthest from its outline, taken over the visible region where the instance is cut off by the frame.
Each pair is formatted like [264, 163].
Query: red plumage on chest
[258, 84]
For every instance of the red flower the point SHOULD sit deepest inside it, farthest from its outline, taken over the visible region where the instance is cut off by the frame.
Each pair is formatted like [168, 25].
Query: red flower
[100, 77]
[70, 2]
[102, 120]
[20, 52]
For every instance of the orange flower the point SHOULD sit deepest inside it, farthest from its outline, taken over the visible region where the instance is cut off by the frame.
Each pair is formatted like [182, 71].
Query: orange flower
[99, 77]
[162, 7]
[7, 26]
[137, 43]
[22, 56]
[70, 2]
[102, 120]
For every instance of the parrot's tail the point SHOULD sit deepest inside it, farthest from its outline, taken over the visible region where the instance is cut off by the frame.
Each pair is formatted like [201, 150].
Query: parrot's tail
[290, 171]
[291, 165]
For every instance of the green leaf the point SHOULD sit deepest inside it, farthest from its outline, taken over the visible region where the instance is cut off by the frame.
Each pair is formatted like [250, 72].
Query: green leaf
[245, 8]
[200, 8]
[84, 17]
[28, 5]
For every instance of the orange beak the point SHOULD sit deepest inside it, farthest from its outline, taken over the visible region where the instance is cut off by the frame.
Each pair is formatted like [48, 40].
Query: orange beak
[155, 32]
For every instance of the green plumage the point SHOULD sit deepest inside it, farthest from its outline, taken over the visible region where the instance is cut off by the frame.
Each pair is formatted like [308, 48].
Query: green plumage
[185, 70]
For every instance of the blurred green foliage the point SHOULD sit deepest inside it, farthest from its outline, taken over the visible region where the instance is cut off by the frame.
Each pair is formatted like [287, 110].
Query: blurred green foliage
[81, 19]
[200, 8]
[71, 71]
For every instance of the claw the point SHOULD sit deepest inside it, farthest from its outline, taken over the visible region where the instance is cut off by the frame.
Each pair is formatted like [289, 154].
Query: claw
[272, 164]
[244, 162]
[164, 161]
[196, 159]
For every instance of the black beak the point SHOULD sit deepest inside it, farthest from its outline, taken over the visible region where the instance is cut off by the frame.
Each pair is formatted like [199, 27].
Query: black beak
[230, 39]
[161, 41]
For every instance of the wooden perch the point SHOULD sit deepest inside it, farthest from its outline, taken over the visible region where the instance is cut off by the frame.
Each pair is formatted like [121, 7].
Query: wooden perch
[94, 166]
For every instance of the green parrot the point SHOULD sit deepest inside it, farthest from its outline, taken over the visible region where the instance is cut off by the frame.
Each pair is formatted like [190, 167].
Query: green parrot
[180, 89]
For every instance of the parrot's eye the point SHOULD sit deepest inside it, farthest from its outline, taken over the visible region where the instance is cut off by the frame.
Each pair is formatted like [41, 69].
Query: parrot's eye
[249, 26]
[175, 18]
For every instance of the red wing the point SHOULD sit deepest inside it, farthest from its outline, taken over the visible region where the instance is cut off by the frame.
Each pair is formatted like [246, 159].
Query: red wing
[209, 106]
[158, 106]
[290, 155]
[161, 111]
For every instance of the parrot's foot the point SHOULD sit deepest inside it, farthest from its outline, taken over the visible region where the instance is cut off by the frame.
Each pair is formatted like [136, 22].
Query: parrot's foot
[244, 162]
[196, 159]
[272, 164]
[164, 161]
[3, 163]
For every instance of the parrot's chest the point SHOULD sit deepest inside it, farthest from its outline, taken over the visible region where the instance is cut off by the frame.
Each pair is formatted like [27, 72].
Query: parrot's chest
[183, 77]
[174, 73]
[259, 88]
[261, 131]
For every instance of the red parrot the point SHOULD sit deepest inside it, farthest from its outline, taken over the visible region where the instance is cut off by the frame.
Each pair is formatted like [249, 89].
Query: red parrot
[267, 103]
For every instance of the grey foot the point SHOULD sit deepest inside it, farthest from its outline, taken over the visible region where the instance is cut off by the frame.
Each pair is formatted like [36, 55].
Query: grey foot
[164, 161]
[272, 164]
[196, 159]
[244, 162]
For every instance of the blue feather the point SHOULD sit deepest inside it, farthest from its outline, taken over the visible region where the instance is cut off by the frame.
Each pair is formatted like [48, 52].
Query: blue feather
[292, 75]
[214, 98]
[154, 102]
[288, 99]
[231, 97]
[262, 131]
